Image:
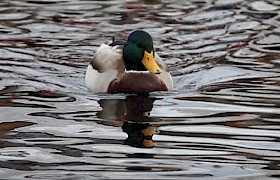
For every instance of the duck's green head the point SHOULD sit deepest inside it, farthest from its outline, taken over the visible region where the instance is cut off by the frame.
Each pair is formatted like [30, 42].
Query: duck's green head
[138, 53]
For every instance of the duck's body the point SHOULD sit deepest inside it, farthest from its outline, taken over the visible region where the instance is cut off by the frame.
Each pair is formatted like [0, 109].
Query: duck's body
[131, 68]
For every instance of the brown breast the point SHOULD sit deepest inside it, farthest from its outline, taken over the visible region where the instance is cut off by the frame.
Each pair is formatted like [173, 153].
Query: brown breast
[132, 82]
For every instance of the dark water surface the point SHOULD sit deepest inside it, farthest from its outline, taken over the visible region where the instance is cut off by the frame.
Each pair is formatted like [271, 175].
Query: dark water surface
[220, 122]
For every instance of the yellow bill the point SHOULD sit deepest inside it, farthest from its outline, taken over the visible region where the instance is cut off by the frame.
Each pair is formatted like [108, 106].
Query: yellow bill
[150, 63]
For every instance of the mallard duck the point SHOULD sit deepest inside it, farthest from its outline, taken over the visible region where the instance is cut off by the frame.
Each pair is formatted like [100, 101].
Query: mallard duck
[128, 67]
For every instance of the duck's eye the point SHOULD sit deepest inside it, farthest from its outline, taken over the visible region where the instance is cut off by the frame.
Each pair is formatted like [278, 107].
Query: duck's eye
[140, 45]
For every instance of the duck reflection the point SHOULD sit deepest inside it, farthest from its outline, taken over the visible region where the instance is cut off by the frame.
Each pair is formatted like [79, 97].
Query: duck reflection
[139, 135]
[133, 115]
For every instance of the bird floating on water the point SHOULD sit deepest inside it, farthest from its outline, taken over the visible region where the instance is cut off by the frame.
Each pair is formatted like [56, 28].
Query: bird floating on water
[128, 67]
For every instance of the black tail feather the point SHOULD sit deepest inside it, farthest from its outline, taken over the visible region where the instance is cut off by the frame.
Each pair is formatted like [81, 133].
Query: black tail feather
[116, 42]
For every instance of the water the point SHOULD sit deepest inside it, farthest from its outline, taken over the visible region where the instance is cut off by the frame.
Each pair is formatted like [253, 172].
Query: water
[221, 121]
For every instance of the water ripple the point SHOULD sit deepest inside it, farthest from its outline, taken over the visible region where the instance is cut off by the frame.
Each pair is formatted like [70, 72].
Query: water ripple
[221, 121]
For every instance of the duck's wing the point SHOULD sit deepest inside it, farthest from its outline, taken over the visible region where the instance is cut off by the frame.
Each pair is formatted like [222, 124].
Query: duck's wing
[107, 63]
[164, 75]
[108, 58]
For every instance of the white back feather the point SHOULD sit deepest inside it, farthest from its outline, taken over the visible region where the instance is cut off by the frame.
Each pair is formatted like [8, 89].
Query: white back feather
[107, 59]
